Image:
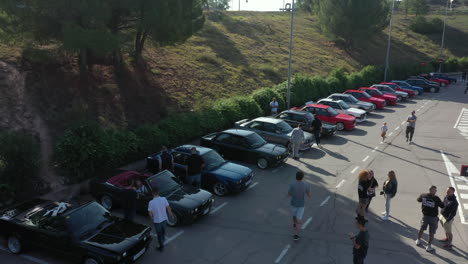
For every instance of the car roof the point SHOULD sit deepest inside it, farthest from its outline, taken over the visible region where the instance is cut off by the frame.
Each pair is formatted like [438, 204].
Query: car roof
[239, 132]
[368, 88]
[268, 120]
[298, 112]
[188, 149]
[318, 106]
[330, 100]
[339, 94]
[354, 91]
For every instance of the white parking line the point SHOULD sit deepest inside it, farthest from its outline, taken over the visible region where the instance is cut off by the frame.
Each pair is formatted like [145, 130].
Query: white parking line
[325, 201]
[218, 208]
[27, 257]
[252, 185]
[283, 253]
[340, 184]
[462, 187]
[355, 169]
[364, 160]
[391, 133]
[173, 237]
[463, 195]
[275, 170]
[376, 148]
[465, 206]
[398, 127]
[458, 120]
[307, 222]
[403, 122]
[452, 169]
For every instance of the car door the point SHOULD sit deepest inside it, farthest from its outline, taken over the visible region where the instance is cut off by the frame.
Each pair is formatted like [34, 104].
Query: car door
[337, 107]
[271, 134]
[180, 163]
[323, 115]
[257, 127]
[54, 236]
[224, 145]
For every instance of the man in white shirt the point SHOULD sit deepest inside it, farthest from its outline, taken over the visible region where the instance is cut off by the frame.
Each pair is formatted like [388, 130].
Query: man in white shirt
[158, 209]
[274, 106]
[297, 137]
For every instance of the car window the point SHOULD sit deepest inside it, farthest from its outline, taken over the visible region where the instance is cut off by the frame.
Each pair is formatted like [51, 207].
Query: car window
[344, 105]
[358, 95]
[268, 127]
[224, 138]
[212, 160]
[309, 109]
[87, 218]
[180, 157]
[283, 127]
[255, 141]
[239, 141]
[298, 118]
[322, 112]
[335, 105]
[256, 125]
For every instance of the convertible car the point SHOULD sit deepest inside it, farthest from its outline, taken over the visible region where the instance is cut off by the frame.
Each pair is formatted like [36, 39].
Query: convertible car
[187, 202]
[84, 234]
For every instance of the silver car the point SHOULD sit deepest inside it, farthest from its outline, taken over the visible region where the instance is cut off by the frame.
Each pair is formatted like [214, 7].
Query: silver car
[352, 101]
[389, 90]
[274, 131]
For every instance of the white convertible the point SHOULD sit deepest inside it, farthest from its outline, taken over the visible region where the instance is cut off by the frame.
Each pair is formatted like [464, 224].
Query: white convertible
[343, 108]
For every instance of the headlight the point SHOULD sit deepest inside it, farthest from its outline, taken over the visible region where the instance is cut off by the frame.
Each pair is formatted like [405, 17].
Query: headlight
[239, 182]
[124, 254]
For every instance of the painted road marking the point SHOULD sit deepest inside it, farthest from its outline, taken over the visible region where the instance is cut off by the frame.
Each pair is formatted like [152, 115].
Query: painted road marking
[176, 235]
[364, 160]
[376, 148]
[459, 117]
[218, 208]
[252, 185]
[275, 170]
[340, 184]
[283, 253]
[307, 222]
[462, 187]
[325, 201]
[391, 133]
[403, 122]
[355, 169]
[463, 195]
[465, 206]
[25, 256]
[452, 169]
[398, 127]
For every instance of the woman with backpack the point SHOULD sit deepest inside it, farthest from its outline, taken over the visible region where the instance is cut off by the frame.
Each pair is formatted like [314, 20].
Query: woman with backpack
[390, 188]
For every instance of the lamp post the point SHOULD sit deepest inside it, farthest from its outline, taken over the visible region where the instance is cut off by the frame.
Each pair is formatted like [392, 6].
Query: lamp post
[387, 57]
[443, 37]
[288, 95]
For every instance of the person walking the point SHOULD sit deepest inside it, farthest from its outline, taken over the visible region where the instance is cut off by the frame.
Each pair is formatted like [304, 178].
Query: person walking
[297, 191]
[464, 76]
[371, 190]
[466, 89]
[447, 215]
[317, 129]
[158, 210]
[274, 106]
[390, 188]
[429, 204]
[195, 164]
[410, 127]
[384, 130]
[363, 186]
[360, 241]
[167, 160]
[297, 137]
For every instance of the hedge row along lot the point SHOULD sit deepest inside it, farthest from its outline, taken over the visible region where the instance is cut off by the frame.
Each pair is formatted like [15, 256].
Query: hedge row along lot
[88, 148]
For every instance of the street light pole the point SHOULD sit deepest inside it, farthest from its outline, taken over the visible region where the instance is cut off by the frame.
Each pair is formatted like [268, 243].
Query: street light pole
[443, 37]
[290, 55]
[387, 57]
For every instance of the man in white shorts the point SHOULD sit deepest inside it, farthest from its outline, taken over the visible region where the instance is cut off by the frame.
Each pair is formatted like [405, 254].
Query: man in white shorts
[297, 192]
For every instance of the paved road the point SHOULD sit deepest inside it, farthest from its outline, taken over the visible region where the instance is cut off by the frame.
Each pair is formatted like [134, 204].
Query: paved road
[255, 226]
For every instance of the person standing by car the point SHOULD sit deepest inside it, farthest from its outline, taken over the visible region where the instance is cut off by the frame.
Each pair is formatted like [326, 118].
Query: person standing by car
[195, 164]
[363, 186]
[158, 210]
[297, 137]
[410, 127]
[371, 190]
[430, 203]
[447, 215]
[167, 160]
[390, 189]
[129, 203]
[317, 129]
[274, 106]
[360, 241]
[297, 191]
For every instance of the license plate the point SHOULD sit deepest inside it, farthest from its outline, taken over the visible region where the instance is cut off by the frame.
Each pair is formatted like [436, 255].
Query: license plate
[137, 255]
[206, 211]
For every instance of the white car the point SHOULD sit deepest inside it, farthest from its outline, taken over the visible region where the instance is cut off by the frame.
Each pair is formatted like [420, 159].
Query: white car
[343, 108]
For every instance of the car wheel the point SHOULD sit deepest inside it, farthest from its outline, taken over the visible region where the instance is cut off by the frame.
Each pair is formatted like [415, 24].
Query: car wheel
[14, 244]
[289, 146]
[387, 101]
[433, 89]
[443, 84]
[416, 92]
[262, 163]
[220, 189]
[375, 106]
[91, 261]
[399, 98]
[340, 126]
[106, 202]
[173, 221]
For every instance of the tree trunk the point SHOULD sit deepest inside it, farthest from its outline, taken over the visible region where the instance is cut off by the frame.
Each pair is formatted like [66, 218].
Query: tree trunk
[140, 40]
[83, 64]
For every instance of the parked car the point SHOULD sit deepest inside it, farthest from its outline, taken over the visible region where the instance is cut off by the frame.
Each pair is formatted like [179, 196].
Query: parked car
[424, 79]
[374, 92]
[388, 90]
[443, 76]
[428, 87]
[353, 102]
[296, 117]
[441, 82]
[86, 233]
[218, 175]
[396, 87]
[246, 146]
[327, 114]
[187, 202]
[365, 97]
[274, 131]
[418, 90]
[343, 108]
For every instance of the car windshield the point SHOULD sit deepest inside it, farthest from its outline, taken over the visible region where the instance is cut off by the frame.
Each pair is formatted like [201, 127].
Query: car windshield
[164, 181]
[389, 89]
[332, 111]
[255, 141]
[344, 105]
[212, 160]
[284, 127]
[377, 92]
[404, 84]
[86, 219]
[366, 95]
[353, 99]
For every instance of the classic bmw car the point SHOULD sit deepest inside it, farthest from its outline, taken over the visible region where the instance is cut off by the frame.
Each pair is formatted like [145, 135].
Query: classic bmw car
[187, 202]
[84, 234]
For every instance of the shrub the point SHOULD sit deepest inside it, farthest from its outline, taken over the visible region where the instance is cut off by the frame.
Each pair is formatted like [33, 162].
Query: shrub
[229, 110]
[355, 80]
[340, 75]
[150, 138]
[452, 64]
[264, 96]
[249, 108]
[372, 74]
[422, 26]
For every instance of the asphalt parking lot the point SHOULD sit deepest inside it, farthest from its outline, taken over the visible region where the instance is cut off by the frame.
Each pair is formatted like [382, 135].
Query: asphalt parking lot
[255, 226]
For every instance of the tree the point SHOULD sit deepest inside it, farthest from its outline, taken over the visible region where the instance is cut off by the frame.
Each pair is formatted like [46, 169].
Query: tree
[406, 6]
[216, 4]
[419, 7]
[348, 20]
[310, 6]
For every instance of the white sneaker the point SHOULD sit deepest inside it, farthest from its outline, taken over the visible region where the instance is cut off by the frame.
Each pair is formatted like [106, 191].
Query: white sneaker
[384, 213]
[418, 242]
[385, 217]
[429, 248]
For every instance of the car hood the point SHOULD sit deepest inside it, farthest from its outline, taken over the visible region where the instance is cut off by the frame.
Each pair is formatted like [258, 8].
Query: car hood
[401, 93]
[389, 96]
[356, 111]
[188, 197]
[232, 171]
[375, 99]
[345, 117]
[272, 149]
[364, 104]
[118, 236]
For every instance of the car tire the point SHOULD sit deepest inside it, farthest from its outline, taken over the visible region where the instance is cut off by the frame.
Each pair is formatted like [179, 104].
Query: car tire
[91, 260]
[387, 101]
[289, 146]
[432, 89]
[262, 163]
[416, 92]
[340, 126]
[14, 244]
[399, 98]
[220, 189]
[106, 202]
[173, 221]
[443, 84]
[375, 106]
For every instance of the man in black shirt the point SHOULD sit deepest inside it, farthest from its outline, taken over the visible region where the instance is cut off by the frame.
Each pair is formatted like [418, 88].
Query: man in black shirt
[430, 203]
[447, 215]
[317, 129]
[360, 241]
[167, 160]
[195, 164]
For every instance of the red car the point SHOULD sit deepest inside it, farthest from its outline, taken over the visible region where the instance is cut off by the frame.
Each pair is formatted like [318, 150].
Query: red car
[374, 92]
[441, 82]
[396, 87]
[365, 97]
[327, 114]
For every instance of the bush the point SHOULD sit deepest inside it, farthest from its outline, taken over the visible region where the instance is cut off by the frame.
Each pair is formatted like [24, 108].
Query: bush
[422, 26]
[355, 80]
[150, 138]
[264, 96]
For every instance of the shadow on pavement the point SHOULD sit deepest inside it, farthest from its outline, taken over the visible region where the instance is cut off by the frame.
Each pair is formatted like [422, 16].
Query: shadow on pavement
[435, 150]
[356, 132]
[335, 155]
[411, 101]
[317, 169]
[386, 110]
[335, 140]
[367, 123]
[399, 105]
[375, 115]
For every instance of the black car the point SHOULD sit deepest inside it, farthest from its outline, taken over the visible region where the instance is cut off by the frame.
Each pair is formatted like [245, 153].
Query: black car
[296, 117]
[427, 86]
[187, 202]
[246, 146]
[84, 234]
